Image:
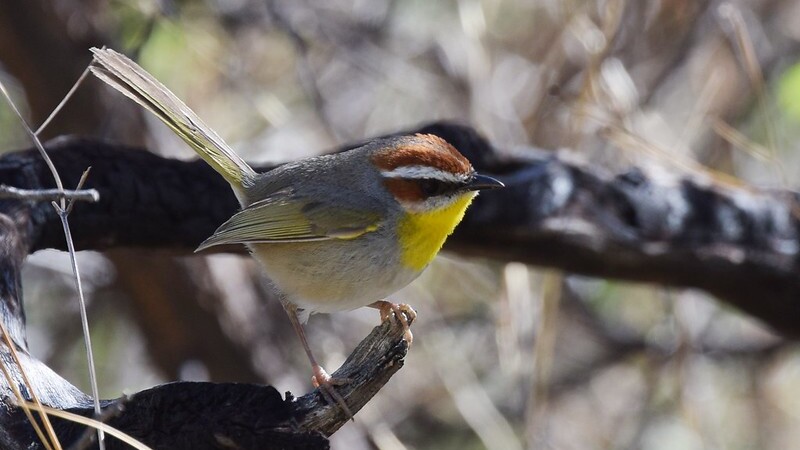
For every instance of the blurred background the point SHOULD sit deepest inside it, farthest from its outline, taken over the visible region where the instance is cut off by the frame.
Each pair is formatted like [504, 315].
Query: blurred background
[505, 356]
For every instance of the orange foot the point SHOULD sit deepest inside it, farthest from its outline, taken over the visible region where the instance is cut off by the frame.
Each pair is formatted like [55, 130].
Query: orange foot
[404, 313]
[325, 383]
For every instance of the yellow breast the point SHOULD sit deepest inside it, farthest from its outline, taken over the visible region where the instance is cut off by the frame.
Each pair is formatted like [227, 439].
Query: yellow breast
[423, 234]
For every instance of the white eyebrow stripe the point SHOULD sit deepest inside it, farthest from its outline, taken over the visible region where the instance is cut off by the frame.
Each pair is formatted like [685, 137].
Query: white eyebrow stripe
[421, 172]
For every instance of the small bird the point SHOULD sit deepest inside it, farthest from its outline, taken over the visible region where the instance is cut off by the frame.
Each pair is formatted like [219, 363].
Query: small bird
[334, 232]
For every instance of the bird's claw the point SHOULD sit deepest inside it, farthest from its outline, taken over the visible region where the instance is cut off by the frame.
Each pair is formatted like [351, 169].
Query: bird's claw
[325, 383]
[404, 313]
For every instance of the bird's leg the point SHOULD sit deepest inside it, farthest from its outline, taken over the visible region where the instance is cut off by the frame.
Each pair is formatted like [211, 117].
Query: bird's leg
[321, 379]
[403, 312]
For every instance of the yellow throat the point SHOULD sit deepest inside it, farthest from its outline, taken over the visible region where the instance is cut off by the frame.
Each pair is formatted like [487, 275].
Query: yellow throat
[423, 234]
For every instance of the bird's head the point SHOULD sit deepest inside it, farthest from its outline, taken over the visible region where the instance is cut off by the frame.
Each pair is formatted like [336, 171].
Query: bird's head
[424, 173]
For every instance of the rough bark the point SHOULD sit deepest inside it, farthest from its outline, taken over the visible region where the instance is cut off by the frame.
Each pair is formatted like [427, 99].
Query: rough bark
[736, 242]
[192, 415]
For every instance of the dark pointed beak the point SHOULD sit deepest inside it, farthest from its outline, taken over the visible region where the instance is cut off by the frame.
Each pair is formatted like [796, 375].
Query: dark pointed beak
[479, 182]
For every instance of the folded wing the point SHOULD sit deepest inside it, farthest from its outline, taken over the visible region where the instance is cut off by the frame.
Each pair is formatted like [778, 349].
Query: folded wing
[283, 217]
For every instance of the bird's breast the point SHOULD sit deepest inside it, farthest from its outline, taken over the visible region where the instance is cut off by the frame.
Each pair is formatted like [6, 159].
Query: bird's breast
[423, 234]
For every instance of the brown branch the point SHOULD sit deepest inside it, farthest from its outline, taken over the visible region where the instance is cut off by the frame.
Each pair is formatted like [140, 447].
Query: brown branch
[735, 242]
[738, 243]
[188, 415]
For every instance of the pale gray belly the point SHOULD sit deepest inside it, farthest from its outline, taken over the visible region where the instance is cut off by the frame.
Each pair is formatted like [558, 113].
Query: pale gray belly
[334, 275]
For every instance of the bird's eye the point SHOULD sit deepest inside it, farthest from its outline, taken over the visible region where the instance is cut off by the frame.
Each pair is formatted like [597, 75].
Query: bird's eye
[432, 187]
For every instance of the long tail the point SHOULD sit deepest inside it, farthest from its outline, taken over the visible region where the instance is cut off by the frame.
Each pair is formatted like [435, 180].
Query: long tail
[129, 78]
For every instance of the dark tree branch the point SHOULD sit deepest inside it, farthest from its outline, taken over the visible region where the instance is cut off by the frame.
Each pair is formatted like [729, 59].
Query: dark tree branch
[188, 415]
[735, 242]
[738, 243]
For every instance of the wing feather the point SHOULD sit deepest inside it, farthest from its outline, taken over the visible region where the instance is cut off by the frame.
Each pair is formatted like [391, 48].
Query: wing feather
[285, 218]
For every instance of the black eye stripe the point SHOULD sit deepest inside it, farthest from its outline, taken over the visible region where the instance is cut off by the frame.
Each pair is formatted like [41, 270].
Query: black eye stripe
[433, 187]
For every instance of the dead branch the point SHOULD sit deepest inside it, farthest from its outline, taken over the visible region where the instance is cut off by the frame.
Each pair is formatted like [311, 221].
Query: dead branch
[736, 242]
[189, 415]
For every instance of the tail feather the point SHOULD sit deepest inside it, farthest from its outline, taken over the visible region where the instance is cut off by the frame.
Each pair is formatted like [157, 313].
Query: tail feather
[129, 78]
